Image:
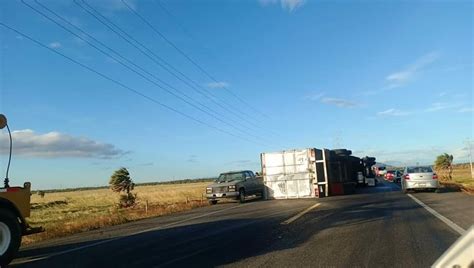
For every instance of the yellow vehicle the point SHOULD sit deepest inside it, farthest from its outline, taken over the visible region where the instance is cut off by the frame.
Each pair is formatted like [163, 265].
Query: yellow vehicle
[14, 209]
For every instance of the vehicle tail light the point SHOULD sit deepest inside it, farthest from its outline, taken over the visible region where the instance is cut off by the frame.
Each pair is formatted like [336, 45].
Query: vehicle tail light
[407, 177]
[435, 176]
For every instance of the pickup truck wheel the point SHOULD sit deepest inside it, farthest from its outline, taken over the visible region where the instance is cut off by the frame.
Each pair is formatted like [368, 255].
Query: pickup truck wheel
[242, 196]
[10, 236]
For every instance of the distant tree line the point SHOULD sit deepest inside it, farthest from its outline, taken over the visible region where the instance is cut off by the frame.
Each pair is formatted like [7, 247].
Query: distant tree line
[137, 184]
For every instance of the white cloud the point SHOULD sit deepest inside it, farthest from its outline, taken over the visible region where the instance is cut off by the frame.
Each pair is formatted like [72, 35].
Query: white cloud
[393, 112]
[54, 45]
[289, 5]
[220, 84]
[56, 145]
[315, 96]
[399, 78]
[438, 106]
[340, 102]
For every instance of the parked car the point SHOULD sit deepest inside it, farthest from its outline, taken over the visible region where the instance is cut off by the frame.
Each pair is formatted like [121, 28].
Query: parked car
[381, 171]
[420, 177]
[234, 185]
[390, 175]
[393, 175]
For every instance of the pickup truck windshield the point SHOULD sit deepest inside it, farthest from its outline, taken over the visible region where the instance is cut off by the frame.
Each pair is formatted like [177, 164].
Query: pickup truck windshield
[230, 177]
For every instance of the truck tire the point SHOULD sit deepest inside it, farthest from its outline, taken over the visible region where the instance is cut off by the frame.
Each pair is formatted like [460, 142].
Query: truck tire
[10, 236]
[242, 195]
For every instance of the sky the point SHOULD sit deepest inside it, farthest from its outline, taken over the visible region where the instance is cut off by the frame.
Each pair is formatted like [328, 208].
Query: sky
[189, 89]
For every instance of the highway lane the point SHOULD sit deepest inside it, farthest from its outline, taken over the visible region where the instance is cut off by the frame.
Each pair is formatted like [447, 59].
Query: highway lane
[376, 227]
[457, 206]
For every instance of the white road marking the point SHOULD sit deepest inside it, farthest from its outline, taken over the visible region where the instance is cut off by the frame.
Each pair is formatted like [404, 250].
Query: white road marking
[451, 224]
[297, 216]
[117, 238]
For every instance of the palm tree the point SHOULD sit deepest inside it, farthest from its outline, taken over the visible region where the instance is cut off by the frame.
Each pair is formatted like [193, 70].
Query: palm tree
[120, 181]
[445, 162]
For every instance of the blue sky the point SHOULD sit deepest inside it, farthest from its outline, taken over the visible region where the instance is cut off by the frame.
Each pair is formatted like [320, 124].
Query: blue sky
[392, 80]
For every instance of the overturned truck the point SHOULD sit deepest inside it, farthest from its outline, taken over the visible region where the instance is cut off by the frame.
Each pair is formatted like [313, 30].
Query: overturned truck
[312, 172]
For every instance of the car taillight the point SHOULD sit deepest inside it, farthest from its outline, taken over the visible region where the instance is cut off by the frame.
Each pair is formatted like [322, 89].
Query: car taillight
[407, 177]
[435, 176]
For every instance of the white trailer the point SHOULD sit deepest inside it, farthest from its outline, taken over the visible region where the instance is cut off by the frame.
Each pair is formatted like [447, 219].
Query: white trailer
[295, 173]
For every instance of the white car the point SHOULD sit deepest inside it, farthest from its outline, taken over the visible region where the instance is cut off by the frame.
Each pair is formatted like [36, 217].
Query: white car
[381, 171]
[420, 177]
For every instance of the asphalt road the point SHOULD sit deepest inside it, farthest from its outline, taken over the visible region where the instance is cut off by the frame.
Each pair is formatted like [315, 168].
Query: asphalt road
[376, 227]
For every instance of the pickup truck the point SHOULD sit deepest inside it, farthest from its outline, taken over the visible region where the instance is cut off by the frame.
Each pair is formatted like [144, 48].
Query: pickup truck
[234, 185]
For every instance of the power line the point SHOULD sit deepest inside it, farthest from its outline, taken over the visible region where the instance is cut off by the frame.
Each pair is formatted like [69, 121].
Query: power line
[141, 75]
[183, 29]
[128, 88]
[148, 52]
[187, 56]
[131, 69]
[192, 37]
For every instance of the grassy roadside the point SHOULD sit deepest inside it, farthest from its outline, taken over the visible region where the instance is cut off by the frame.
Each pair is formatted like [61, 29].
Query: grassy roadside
[461, 179]
[65, 213]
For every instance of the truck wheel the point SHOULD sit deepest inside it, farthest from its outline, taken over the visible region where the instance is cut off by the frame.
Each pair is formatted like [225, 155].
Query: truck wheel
[242, 196]
[213, 202]
[10, 236]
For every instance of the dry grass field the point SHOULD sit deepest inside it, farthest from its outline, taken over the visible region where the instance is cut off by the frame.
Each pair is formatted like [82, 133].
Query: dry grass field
[63, 213]
[462, 174]
[461, 177]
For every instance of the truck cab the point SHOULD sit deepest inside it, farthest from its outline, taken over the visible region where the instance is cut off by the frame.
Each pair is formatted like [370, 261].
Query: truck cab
[14, 209]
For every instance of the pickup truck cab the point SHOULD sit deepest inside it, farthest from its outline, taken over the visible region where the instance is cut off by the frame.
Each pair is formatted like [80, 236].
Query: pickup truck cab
[234, 185]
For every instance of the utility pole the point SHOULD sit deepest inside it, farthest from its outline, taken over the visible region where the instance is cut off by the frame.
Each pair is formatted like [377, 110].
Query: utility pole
[468, 142]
